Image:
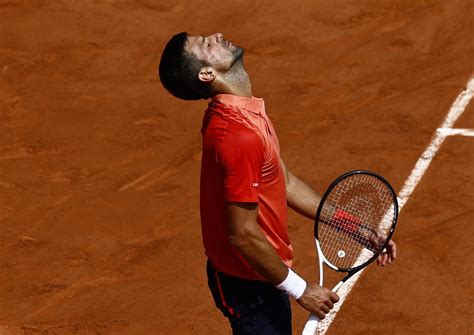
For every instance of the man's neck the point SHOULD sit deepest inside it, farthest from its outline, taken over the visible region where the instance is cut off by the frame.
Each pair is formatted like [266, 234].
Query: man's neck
[236, 82]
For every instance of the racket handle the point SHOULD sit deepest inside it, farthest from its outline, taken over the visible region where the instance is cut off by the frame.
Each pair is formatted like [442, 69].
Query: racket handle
[311, 325]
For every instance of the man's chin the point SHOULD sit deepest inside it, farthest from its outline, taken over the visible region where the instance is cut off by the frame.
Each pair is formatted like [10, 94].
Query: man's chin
[237, 52]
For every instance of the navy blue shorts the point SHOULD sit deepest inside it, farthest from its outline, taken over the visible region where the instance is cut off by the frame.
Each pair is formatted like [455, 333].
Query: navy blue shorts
[252, 307]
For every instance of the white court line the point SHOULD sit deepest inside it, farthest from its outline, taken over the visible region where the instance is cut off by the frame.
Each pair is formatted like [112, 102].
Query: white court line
[421, 165]
[456, 131]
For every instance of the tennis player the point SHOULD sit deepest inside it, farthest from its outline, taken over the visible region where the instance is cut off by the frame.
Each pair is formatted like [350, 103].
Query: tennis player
[245, 191]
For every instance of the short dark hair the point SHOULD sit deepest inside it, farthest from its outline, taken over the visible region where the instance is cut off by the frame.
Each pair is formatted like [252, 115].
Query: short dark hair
[179, 70]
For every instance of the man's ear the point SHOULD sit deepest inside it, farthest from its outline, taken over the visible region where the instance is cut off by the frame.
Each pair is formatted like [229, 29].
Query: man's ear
[207, 75]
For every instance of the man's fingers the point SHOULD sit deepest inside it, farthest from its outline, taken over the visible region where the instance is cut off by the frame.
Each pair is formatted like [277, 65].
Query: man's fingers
[334, 297]
[320, 315]
[325, 309]
[330, 304]
[388, 255]
[393, 247]
[382, 259]
[320, 312]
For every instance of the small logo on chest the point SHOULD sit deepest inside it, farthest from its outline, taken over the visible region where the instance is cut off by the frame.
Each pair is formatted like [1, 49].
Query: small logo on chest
[254, 184]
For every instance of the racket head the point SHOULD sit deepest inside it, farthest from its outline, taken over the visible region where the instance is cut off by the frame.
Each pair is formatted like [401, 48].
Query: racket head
[355, 193]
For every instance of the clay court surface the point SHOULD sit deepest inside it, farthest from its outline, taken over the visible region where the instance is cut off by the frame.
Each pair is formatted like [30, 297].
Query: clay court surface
[99, 166]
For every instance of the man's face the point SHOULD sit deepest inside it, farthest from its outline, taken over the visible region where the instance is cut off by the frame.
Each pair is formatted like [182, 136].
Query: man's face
[214, 51]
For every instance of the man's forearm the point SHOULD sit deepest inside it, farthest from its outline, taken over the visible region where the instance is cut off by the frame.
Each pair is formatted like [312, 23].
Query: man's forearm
[247, 237]
[261, 256]
[301, 197]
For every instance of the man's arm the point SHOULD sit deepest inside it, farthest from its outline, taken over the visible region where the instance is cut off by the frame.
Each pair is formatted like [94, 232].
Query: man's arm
[300, 196]
[245, 235]
[248, 239]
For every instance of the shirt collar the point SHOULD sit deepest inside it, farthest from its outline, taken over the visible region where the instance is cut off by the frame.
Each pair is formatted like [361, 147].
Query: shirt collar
[253, 104]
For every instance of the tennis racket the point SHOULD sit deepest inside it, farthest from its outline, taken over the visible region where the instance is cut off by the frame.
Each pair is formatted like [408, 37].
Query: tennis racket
[354, 223]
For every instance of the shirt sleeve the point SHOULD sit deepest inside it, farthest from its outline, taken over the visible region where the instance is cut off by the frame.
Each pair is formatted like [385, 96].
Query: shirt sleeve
[241, 156]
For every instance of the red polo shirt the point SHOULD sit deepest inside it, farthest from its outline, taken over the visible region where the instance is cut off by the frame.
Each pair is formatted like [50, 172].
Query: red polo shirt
[241, 163]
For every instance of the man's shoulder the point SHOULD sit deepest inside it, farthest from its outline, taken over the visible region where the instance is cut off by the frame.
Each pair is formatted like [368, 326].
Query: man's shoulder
[230, 130]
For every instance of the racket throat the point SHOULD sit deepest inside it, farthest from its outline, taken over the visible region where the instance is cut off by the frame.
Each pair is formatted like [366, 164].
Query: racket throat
[338, 286]
[320, 259]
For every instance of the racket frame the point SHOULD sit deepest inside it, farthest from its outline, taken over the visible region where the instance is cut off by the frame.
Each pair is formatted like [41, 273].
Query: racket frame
[352, 271]
[313, 321]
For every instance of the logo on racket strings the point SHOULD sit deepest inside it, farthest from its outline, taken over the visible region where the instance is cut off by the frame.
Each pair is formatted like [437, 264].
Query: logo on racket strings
[341, 253]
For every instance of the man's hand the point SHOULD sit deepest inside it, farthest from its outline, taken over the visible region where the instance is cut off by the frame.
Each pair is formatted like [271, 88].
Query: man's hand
[390, 252]
[388, 256]
[318, 300]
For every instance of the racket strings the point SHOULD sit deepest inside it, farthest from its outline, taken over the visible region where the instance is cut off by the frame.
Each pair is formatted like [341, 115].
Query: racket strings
[355, 221]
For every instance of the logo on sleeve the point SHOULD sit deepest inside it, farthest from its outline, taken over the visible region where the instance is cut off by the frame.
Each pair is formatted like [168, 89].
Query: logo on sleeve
[255, 184]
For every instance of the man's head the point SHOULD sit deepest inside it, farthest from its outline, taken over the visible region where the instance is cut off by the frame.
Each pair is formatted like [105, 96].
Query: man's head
[194, 67]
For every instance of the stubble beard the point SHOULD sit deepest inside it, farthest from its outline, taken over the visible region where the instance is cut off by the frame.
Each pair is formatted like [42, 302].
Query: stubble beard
[236, 76]
[237, 53]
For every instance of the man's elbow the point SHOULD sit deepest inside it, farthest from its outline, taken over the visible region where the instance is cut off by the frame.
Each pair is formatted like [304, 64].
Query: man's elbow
[290, 182]
[290, 190]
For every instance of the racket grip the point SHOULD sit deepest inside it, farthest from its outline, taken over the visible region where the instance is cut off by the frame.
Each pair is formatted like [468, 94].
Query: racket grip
[311, 325]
